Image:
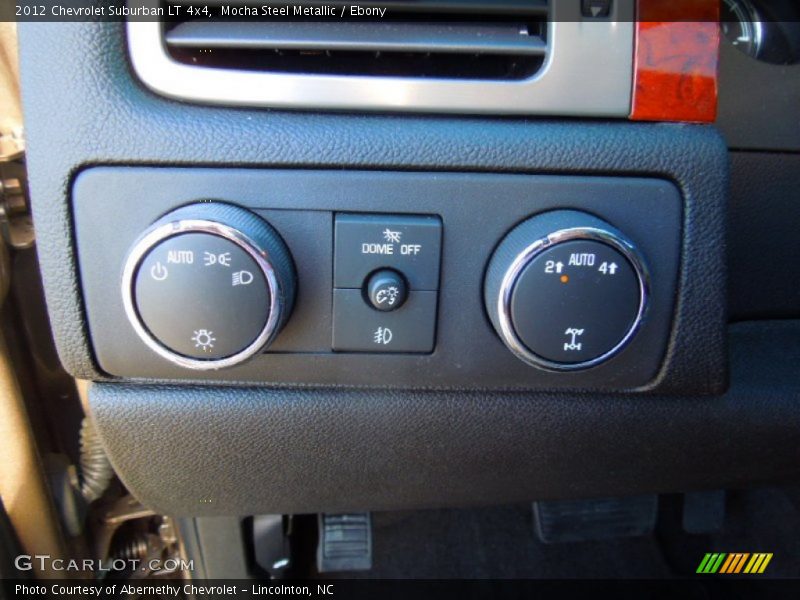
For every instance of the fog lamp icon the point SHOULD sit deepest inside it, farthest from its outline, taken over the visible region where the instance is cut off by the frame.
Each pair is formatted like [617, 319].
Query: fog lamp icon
[382, 335]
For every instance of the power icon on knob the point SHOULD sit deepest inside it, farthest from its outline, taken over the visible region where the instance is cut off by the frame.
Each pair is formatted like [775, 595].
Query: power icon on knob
[159, 272]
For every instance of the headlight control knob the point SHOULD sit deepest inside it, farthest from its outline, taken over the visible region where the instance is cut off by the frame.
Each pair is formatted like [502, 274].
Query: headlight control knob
[566, 291]
[208, 285]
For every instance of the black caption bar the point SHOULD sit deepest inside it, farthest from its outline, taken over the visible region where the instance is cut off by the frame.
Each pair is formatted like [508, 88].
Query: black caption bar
[290, 10]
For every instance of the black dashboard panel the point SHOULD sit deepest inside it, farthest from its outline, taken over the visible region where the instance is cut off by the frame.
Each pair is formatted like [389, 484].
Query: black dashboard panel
[111, 119]
[316, 441]
[114, 205]
[759, 102]
[272, 451]
[765, 211]
[759, 117]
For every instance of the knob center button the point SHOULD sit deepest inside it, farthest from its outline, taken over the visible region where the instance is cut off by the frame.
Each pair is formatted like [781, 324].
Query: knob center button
[565, 291]
[386, 290]
[575, 301]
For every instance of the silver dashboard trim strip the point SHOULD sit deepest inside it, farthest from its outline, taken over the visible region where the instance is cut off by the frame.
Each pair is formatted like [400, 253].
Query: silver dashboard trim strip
[588, 71]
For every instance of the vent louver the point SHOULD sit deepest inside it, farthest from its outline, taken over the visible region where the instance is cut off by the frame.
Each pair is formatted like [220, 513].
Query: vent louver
[460, 56]
[421, 39]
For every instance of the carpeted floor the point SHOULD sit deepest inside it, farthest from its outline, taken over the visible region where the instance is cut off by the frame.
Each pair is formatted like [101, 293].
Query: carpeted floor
[500, 542]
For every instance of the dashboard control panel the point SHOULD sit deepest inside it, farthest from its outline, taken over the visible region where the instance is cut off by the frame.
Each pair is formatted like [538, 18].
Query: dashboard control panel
[386, 273]
[284, 277]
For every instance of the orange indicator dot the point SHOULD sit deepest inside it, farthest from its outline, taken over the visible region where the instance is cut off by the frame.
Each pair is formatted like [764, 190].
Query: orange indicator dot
[564, 278]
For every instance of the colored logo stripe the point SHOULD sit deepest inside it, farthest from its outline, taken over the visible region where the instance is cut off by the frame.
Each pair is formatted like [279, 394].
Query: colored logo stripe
[734, 562]
[710, 563]
[758, 563]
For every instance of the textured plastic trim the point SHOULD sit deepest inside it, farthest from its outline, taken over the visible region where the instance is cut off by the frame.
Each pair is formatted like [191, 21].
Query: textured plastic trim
[303, 451]
[108, 117]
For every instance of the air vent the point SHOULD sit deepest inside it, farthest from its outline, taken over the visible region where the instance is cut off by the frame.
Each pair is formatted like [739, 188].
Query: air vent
[453, 40]
[506, 56]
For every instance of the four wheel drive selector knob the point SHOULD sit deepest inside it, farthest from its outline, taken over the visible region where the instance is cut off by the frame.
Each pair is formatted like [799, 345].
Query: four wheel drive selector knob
[565, 291]
[208, 286]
